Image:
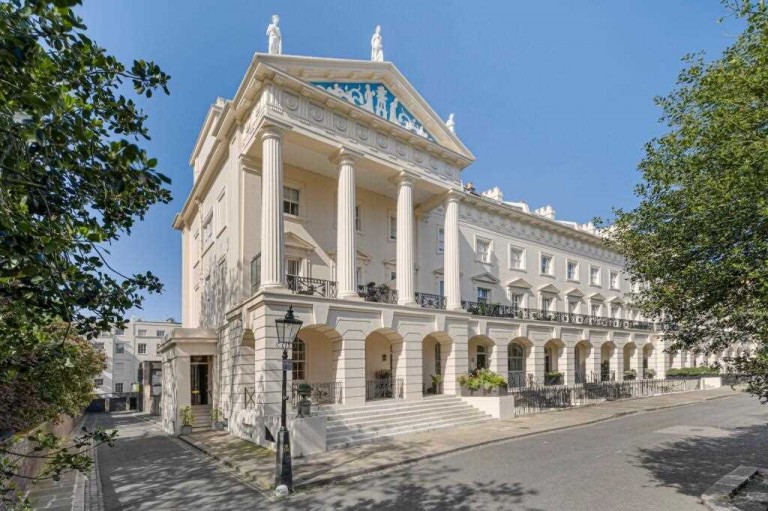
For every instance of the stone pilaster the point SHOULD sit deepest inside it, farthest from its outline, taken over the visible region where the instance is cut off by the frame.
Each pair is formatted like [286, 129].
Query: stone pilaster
[405, 242]
[272, 242]
[346, 251]
[451, 267]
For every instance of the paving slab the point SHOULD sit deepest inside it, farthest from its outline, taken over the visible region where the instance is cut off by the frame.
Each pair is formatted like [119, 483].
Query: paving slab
[257, 463]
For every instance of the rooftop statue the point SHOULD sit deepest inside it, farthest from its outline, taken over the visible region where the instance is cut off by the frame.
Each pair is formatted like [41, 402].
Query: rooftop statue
[377, 46]
[275, 45]
[451, 124]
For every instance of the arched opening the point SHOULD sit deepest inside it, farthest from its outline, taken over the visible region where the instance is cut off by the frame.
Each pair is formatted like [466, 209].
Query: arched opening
[630, 361]
[436, 350]
[581, 353]
[649, 371]
[518, 351]
[481, 350]
[554, 349]
[315, 360]
[383, 354]
[607, 369]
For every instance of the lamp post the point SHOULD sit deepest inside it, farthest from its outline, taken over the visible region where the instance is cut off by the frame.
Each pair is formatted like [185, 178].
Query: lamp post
[287, 331]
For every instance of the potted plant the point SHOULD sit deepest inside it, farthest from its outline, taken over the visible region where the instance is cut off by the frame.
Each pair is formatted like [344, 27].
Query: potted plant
[553, 378]
[484, 381]
[186, 420]
[437, 380]
[216, 419]
[649, 373]
[630, 374]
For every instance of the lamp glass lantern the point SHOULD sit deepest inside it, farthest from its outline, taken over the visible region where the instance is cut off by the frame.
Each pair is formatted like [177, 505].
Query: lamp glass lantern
[287, 329]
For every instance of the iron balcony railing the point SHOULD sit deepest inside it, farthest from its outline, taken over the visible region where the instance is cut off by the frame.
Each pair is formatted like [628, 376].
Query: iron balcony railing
[379, 294]
[312, 287]
[496, 310]
[322, 393]
[430, 301]
[520, 379]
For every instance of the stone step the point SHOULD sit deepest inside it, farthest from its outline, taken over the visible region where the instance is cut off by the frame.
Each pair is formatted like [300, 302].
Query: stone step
[384, 404]
[453, 409]
[350, 440]
[413, 406]
[393, 425]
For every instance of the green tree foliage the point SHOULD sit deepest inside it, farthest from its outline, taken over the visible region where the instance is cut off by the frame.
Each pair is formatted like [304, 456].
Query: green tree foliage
[73, 179]
[698, 240]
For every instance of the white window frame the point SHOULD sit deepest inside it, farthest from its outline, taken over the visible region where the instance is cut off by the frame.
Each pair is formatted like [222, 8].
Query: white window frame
[139, 349]
[551, 272]
[488, 296]
[575, 277]
[141, 333]
[119, 348]
[359, 217]
[599, 305]
[98, 382]
[552, 302]
[440, 240]
[611, 275]
[489, 253]
[299, 204]
[391, 226]
[119, 388]
[511, 294]
[576, 302]
[522, 250]
[599, 282]
[300, 263]
[208, 227]
[221, 212]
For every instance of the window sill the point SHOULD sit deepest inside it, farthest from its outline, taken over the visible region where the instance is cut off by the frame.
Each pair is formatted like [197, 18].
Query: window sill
[481, 261]
[596, 285]
[300, 219]
[522, 270]
[551, 276]
[575, 281]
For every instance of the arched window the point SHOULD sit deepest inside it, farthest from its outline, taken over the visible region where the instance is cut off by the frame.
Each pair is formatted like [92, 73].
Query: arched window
[299, 357]
[482, 360]
[438, 359]
[515, 358]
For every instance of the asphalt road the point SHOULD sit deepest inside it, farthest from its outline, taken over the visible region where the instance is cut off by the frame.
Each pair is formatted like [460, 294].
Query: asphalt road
[655, 461]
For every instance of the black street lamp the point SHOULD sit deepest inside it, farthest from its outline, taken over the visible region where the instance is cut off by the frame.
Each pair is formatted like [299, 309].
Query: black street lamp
[287, 331]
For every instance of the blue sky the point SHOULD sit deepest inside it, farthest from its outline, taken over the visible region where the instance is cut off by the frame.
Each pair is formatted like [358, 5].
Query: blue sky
[555, 99]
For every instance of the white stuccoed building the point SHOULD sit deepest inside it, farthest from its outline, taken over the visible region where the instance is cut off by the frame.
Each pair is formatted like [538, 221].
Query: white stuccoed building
[332, 186]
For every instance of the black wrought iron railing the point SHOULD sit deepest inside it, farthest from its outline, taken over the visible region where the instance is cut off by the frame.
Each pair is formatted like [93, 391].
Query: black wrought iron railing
[379, 294]
[383, 388]
[535, 399]
[312, 287]
[519, 379]
[322, 393]
[430, 301]
[496, 310]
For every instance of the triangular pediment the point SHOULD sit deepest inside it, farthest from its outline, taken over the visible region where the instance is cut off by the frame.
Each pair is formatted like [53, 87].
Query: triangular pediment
[615, 299]
[574, 292]
[397, 101]
[597, 296]
[439, 272]
[519, 283]
[293, 240]
[361, 256]
[486, 278]
[549, 288]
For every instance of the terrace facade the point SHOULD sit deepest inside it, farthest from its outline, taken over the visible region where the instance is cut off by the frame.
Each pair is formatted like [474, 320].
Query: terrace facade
[331, 186]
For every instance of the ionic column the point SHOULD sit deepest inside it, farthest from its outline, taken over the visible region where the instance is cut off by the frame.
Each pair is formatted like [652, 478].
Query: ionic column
[272, 243]
[451, 266]
[405, 291]
[346, 252]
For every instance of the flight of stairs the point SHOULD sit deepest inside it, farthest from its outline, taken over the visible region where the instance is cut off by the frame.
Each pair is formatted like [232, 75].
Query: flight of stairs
[388, 418]
[202, 418]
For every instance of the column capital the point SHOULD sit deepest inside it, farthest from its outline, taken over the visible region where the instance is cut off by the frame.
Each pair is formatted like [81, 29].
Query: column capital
[404, 177]
[453, 195]
[271, 128]
[346, 156]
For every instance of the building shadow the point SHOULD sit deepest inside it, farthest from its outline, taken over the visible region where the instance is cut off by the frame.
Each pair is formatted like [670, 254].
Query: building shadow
[433, 486]
[692, 463]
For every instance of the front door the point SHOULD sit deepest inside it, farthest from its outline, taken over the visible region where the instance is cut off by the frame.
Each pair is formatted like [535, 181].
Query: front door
[199, 381]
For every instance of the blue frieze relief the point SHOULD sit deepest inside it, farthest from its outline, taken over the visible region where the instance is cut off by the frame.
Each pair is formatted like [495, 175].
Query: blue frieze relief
[377, 99]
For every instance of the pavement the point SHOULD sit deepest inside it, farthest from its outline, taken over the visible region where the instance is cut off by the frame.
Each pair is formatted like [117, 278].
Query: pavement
[256, 463]
[611, 456]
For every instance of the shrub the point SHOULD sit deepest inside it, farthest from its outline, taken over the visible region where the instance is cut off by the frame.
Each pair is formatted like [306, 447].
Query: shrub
[484, 378]
[186, 416]
[630, 374]
[693, 371]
